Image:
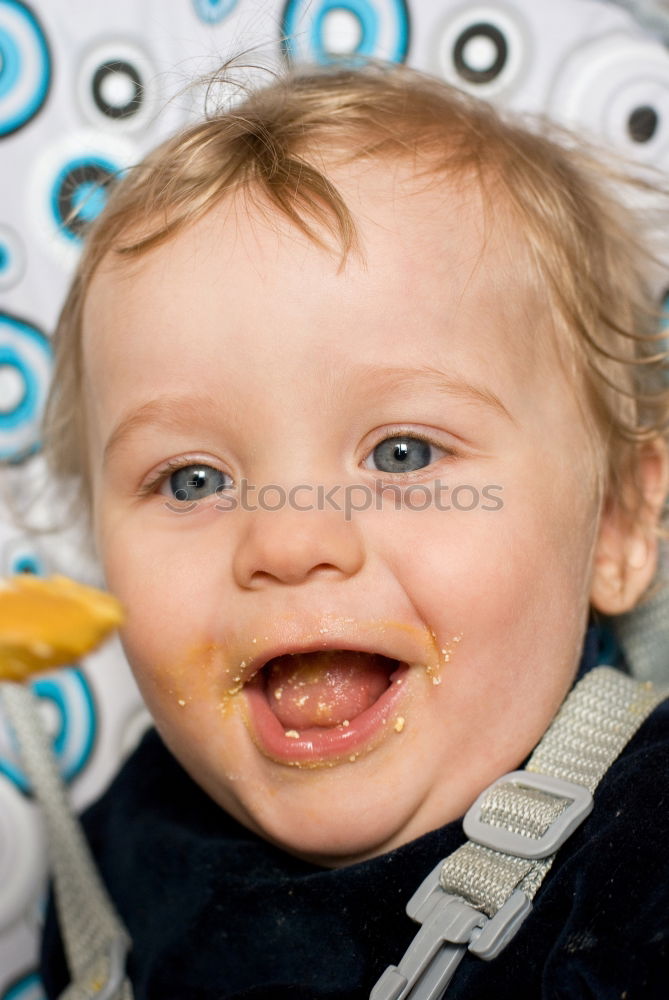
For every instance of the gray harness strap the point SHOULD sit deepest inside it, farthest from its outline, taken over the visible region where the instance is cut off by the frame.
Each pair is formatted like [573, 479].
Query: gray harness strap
[96, 942]
[476, 899]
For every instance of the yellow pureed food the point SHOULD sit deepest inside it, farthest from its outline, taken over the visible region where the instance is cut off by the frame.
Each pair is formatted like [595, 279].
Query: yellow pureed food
[46, 623]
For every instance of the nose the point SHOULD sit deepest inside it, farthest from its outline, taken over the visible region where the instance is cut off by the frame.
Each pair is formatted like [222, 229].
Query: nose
[290, 546]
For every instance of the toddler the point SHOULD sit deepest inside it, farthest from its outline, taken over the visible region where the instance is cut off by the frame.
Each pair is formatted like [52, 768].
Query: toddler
[360, 385]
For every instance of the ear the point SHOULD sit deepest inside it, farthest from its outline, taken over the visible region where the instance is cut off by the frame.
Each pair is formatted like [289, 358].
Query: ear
[626, 550]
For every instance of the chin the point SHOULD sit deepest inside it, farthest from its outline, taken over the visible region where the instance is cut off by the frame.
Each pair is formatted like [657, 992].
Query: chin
[340, 849]
[337, 834]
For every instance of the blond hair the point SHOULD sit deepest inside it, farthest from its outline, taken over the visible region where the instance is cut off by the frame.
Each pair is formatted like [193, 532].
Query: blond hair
[582, 243]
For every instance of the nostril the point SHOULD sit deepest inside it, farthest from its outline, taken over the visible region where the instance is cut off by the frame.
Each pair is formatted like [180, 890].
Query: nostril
[273, 548]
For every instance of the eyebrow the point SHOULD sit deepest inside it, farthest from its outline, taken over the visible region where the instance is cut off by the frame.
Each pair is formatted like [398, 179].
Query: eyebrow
[172, 412]
[399, 378]
[167, 412]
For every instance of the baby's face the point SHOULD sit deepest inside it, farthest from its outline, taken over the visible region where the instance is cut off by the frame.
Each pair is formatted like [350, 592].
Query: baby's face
[441, 621]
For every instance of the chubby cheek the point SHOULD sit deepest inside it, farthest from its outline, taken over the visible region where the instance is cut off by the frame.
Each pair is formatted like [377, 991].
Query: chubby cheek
[197, 719]
[513, 584]
[168, 610]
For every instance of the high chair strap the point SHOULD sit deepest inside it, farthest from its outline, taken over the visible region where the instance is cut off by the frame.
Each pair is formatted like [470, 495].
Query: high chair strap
[96, 942]
[476, 899]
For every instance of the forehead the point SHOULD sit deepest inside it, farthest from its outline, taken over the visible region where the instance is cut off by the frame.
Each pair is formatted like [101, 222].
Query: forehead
[240, 328]
[432, 258]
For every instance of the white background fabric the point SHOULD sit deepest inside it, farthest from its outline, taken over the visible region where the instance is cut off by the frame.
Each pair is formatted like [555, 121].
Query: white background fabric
[86, 87]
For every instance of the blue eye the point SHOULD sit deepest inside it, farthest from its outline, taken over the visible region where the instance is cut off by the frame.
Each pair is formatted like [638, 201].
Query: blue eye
[194, 482]
[402, 454]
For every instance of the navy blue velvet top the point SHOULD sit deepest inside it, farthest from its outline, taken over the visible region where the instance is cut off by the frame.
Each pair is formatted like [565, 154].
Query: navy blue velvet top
[216, 913]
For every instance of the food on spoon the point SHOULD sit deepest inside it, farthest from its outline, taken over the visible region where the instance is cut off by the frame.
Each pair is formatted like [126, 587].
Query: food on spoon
[50, 622]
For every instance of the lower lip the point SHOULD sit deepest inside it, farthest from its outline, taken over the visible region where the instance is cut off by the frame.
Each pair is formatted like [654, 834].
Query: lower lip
[321, 744]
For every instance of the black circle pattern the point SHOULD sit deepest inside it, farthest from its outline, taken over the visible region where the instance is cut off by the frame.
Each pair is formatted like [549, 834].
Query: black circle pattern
[642, 123]
[470, 73]
[123, 68]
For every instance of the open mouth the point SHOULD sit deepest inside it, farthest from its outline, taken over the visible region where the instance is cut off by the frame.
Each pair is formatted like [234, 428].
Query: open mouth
[308, 707]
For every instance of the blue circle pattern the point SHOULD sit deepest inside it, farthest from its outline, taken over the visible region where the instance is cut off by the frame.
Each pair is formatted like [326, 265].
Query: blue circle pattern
[28, 987]
[368, 13]
[12, 66]
[664, 322]
[663, 344]
[213, 11]
[28, 408]
[366, 17]
[12, 262]
[11, 62]
[73, 743]
[27, 564]
[88, 199]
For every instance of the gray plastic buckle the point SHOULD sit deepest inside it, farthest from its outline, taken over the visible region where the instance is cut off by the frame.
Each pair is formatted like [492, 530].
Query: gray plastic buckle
[501, 839]
[449, 926]
[498, 931]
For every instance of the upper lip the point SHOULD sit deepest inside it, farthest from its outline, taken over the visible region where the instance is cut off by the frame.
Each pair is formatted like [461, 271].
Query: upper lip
[385, 639]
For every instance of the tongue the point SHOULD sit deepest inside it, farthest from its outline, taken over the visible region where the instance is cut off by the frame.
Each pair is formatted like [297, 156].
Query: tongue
[325, 689]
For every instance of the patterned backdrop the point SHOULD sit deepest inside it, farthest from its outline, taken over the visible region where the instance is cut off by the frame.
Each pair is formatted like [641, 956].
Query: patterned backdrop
[86, 87]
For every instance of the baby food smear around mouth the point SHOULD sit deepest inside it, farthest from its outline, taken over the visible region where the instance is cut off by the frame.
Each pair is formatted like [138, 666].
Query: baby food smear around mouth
[325, 688]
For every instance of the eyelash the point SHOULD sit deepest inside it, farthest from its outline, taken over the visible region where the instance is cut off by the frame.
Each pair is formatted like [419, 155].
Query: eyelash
[176, 464]
[399, 432]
